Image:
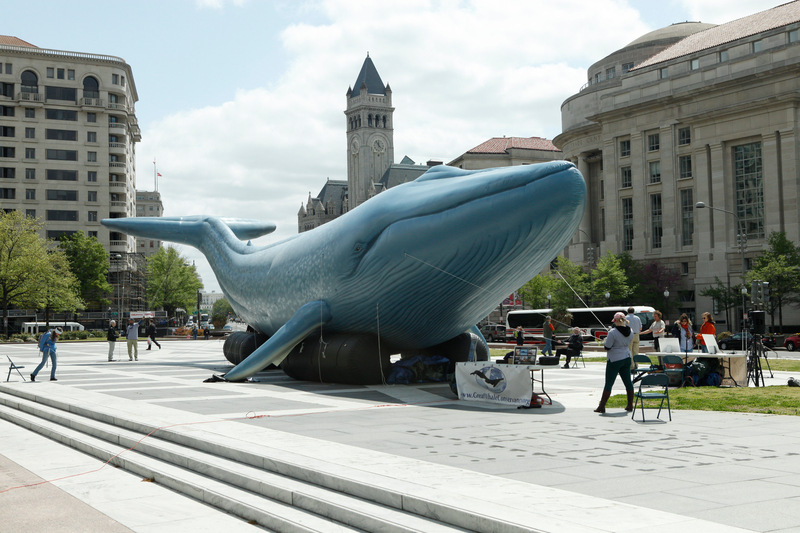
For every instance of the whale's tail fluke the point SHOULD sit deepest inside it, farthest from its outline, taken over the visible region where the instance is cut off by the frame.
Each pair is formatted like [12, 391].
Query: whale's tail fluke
[191, 230]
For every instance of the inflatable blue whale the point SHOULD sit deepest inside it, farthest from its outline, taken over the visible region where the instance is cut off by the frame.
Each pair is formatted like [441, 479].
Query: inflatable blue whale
[414, 267]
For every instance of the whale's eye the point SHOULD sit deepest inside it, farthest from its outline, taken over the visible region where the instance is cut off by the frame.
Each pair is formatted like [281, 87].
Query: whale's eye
[358, 247]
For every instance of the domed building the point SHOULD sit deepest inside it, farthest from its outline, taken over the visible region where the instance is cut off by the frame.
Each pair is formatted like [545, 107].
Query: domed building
[690, 113]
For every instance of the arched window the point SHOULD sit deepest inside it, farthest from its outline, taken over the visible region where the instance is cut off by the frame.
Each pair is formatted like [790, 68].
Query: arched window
[369, 121]
[30, 82]
[384, 121]
[91, 88]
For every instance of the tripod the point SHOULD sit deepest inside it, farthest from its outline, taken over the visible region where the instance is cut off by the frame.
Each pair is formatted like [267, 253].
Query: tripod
[754, 354]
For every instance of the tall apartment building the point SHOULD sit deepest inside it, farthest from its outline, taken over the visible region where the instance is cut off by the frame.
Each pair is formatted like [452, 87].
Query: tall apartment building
[148, 204]
[687, 113]
[68, 132]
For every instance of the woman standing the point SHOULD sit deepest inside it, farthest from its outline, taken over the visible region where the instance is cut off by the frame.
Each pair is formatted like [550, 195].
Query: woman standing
[707, 328]
[47, 345]
[657, 328]
[618, 361]
[685, 333]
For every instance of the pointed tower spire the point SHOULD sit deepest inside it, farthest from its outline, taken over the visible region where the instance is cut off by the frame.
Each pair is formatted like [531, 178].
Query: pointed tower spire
[370, 78]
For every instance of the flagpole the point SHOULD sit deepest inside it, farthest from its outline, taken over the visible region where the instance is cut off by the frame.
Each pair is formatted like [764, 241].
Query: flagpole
[155, 175]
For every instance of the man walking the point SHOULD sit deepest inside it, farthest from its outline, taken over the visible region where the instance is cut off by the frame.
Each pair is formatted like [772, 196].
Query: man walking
[132, 334]
[636, 329]
[151, 335]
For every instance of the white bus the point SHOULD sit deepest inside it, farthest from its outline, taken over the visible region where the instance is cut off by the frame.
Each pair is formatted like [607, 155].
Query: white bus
[593, 321]
[39, 327]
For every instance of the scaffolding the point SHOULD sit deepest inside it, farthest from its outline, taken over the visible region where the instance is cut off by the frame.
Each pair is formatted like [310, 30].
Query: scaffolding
[127, 274]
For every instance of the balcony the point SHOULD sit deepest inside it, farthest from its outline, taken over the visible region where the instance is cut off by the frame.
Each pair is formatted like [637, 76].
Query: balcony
[117, 184]
[116, 164]
[118, 207]
[30, 97]
[117, 125]
[91, 102]
[117, 148]
[118, 106]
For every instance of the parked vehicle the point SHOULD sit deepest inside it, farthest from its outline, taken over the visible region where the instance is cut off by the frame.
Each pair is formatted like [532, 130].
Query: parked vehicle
[734, 342]
[494, 332]
[792, 343]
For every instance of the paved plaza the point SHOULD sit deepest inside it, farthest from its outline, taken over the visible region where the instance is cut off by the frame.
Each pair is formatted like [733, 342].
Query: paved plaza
[559, 468]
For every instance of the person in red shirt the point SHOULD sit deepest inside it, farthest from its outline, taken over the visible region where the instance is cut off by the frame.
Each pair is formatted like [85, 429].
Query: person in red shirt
[706, 329]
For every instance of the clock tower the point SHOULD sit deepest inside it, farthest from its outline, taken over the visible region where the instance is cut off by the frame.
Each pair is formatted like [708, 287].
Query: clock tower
[370, 133]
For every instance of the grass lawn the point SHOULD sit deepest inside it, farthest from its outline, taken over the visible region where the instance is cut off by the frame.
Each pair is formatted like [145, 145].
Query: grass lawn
[781, 400]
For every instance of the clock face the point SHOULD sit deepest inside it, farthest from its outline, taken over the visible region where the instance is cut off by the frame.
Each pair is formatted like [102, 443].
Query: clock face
[378, 146]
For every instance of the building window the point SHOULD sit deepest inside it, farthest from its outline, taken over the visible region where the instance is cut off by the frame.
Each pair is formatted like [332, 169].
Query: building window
[30, 194]
[7, 173]
[694, 64]
[30, 153]
[91, 136]
[663, 73]
[60, 114]
[627, 224]
[91, 117]
[749, 188]
[7, 89]
[122, 80]
[68, 94]
[91, 156]
[91, 196]
[61, 135]
[51, 72]
[30, 133]
[757, 45]
[30, 112]
[685, 269]
[723, 56]
[30, 213]
[655, 171]
[30, 173]
[63, 196]
[115, 79]
[92, 234]
[685, 163]
[627, 67]
[794, 36]
[625, 148]
[56, 234]
[653, 142]
[61, 155]
[8, 194]
[611, 73]
[687, 217]
[91, 176]
[684, 136]
[91, 87]
[62, 175]
[655, 219]
[60, 73]
[8, 68]
[625, 177]
[70, 74]
[92, 216]
[62, 216]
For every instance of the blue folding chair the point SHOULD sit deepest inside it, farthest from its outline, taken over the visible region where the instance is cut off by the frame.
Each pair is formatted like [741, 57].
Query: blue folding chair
[653, 380]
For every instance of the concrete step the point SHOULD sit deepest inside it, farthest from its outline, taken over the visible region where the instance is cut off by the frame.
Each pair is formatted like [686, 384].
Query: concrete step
[274, 500]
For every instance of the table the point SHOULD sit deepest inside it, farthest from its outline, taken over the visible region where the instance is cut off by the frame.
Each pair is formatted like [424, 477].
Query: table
[734, 364]
[515, 392]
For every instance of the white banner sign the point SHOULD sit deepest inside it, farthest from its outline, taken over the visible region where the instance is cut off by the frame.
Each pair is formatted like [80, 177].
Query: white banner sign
[484, 381]
[142, 314]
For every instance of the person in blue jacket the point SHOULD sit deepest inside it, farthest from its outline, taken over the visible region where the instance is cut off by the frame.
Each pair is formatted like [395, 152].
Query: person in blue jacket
[47, 344]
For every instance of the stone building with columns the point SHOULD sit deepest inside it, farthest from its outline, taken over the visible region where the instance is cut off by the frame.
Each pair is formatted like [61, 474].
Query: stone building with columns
[687, 113]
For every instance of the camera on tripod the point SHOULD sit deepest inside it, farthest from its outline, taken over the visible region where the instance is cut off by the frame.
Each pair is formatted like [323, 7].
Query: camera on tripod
[759, 297]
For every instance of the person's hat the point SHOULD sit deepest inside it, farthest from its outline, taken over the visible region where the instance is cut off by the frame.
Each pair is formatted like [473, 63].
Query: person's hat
[59, 331]
[548, 317]
[619, 315]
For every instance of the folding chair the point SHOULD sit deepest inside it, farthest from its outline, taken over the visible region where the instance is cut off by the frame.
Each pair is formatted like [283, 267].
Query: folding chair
[575, 358]
[675, 369]
[643, 366]
[657, 380]
[11, 367]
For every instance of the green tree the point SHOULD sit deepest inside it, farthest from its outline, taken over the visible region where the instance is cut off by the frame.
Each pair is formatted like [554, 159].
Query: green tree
[89, 263]
[24, 263]
[534, 293]
[633, 272]
[171, 281]
[61, 287]
[655, 279]
[610, 277]
[784, 283]
[725, 297]
[221, 307]
[571, 289]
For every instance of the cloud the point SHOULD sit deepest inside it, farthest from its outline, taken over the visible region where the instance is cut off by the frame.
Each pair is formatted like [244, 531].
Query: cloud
[461, 72]
[721, 11]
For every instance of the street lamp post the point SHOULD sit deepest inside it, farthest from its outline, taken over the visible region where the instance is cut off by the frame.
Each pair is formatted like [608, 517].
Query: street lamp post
[666, 300]
[741, 240]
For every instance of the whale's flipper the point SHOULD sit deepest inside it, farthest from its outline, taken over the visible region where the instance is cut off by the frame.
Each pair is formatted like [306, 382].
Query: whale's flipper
[191, 230]
[475, 330]
[308, 318]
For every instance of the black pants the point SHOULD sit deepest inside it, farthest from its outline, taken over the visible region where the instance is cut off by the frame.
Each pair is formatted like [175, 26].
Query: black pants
[154, 341]
[569, 352]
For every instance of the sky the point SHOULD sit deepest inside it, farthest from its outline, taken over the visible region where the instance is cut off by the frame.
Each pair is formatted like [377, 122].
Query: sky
[241, 102]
